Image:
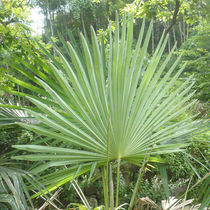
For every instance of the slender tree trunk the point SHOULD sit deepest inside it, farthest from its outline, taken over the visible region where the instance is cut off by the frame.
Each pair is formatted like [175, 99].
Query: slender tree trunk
[174, 19]
[46, 21]
[174, 35]
[53, 17]
[158, 30]
[153, 42]
[65, 22]
[169, 43]
[50, 18]
[180, 30]
[184, 38]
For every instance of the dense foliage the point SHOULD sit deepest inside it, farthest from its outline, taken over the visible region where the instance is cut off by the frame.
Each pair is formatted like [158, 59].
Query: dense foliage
[61, 87]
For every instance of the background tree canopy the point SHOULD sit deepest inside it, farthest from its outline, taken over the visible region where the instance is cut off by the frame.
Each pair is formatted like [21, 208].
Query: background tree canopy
[64, 92]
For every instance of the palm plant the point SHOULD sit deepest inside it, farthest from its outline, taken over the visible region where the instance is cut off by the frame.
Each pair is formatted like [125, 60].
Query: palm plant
[104, 109]
[10, 116]
[14, 192]
[16, 185]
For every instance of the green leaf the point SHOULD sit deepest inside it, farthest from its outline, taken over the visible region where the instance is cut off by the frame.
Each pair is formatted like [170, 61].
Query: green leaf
[112, 107]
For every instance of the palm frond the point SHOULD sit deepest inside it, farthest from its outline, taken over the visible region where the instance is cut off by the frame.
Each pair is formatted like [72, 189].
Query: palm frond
[11, 112]
[13, 188]
[16, 186]
[78, 99]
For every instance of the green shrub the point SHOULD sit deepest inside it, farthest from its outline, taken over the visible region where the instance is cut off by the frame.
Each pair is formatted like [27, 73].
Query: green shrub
[10, 135]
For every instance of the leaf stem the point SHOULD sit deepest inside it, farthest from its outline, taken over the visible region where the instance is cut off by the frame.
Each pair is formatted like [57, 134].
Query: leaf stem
[111, 187]
[105, 188]
[118, 182]
[106, 169]
[138, 182]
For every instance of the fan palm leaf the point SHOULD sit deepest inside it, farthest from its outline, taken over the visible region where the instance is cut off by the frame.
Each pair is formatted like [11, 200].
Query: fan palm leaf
[101, 107]
[14, 187]
[10, 116]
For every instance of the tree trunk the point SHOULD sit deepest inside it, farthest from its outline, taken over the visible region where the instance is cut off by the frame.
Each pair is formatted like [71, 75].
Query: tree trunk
[180, 30]
[169, 43]
[153, 42]
[50, 18]
[174, 35]
[46, 21]
[174, 19]
[184, 38]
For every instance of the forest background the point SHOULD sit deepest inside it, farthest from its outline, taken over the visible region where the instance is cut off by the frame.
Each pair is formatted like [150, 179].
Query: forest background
[185, 22]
